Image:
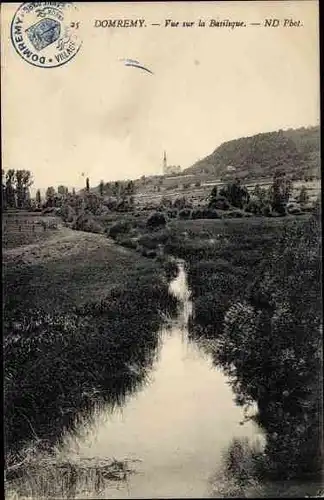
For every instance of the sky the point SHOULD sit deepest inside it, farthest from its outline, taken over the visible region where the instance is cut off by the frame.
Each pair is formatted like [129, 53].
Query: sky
[96, 116]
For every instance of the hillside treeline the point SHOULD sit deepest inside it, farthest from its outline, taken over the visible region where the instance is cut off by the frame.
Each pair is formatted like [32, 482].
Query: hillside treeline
[296, 151]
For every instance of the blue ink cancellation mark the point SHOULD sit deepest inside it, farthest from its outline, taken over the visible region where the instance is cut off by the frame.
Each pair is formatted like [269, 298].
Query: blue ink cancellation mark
[46, 35]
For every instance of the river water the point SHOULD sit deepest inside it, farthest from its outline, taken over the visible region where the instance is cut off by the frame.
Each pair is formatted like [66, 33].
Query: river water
[176, 426]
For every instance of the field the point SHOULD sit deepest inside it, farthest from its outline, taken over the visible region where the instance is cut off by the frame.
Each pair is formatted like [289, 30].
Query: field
[66, 269]
[81, 309]
[22, 228]
[255, 287]
[176, 187]
[58, 294]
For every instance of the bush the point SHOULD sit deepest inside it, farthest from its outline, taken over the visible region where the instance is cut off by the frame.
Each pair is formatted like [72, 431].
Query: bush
[266, 211]
[156, 220]
[52, 359]
[197, 213]
[254, 207]
[86, 222]
[235, 214]
[210, 213]
[270, 346]
[151, 241]
[171, 269]
[49, 210]
[119, 227]
[67, 213]
[220, 203]
[294, 210]
[185, 213]
[274, 213]
[148, 253]
[205, 213]
[308, 207]
[172, 214]
[128, 242]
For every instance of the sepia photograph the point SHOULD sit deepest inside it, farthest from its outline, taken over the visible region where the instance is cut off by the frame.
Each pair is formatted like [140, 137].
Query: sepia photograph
[161, 250]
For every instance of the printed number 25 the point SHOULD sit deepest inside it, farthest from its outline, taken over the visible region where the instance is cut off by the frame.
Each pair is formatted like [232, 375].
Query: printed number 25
[75, 25]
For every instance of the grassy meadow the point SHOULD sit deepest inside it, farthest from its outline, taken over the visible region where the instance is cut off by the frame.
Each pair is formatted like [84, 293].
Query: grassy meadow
[83, 312]
[255, 286]
[81, 327]
[21, 228]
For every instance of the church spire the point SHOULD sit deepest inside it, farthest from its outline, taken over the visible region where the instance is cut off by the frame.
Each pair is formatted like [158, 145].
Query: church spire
[164, 163]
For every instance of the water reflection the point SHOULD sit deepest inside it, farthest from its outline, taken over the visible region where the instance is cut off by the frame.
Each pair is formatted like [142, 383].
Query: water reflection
[55, 380]
[177, 425]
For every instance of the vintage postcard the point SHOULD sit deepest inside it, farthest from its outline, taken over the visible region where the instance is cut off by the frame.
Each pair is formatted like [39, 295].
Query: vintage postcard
[161, 228]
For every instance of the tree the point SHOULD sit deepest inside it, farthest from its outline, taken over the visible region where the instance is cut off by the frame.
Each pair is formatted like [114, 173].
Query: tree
[279, 325]
[116, 189]
[303, 197]
[87, 184]
[38, 198]
[62, 190]
[213, 195]
[3, 191]
[257, 191]
[92, 203]
[73, 191]
[50, 196]
[166, 202]
[235, 194]
[101, 188]
[19, 188]
[10, 191]
[129, 188]
[23, 180]
[50, 192]
[180, 203]
[280, 191]
[156, 220]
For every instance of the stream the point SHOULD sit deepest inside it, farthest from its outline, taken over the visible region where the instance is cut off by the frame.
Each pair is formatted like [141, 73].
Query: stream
[177, 425]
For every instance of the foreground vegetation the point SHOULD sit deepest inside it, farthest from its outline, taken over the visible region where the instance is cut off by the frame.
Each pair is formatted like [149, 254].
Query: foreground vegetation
[257, 292]
[82, 333]
[254, 274]
[255, 287]
[270, 345]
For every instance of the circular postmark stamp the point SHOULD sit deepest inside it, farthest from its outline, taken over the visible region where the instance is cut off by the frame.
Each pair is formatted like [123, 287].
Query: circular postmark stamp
[46, 34]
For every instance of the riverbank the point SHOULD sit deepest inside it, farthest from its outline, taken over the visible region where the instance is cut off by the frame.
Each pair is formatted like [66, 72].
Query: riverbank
[259, 296]
[255, 287]
[92, 338]
[81, 324]
[171, 424]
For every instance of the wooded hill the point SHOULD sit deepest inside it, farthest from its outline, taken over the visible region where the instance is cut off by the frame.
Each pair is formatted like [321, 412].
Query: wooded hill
[297, 151]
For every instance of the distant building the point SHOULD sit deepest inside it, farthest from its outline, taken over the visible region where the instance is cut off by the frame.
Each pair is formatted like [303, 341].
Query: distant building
[170, 169]
[173, 170]
[230, 168]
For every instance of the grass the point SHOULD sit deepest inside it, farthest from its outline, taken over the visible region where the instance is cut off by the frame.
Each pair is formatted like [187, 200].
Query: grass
[67, 269]
[266, 321]
[243, 474]
[50, 474]
[81, 311]
[25, 228]
[255, 290]
[81, 326]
